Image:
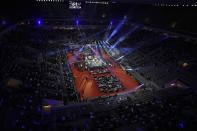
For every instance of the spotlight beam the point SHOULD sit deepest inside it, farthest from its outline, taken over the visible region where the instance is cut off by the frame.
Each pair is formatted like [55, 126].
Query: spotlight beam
[99, 50]
[139, 86]
[81, 49]
[92, 49]
[91, 36]
[107, 32]
[130, 51]
[123, 38]
[161, 39]
[116, 29]
[123, 56]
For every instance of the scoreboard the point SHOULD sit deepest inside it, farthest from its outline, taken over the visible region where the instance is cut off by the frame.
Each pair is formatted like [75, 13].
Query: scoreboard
[75, 4]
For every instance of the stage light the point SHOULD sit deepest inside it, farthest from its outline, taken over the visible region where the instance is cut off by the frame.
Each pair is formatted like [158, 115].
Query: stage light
[77, 22]
[39, 22]
[3, 22]
[181, 125]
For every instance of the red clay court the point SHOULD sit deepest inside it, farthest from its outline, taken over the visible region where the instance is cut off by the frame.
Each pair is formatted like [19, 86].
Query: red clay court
[86, 85]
